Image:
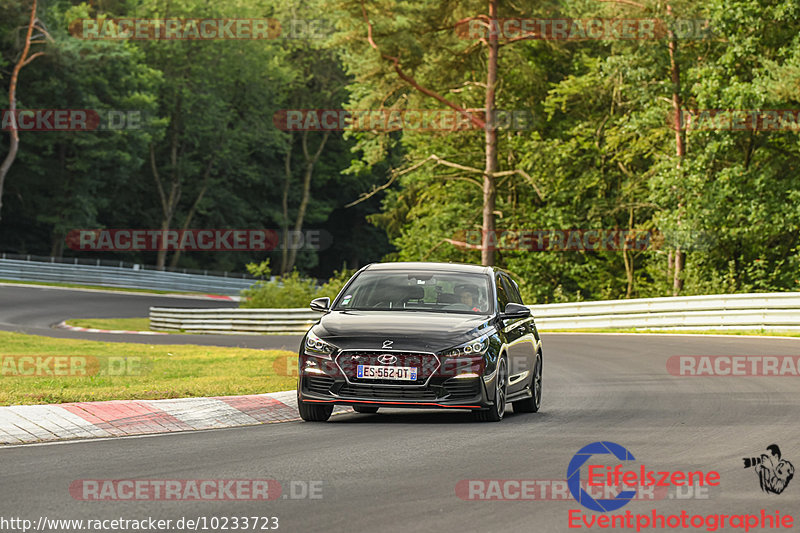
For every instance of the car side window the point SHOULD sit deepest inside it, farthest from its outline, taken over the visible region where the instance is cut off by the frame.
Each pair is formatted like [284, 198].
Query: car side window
[513, 290]
[502, 295]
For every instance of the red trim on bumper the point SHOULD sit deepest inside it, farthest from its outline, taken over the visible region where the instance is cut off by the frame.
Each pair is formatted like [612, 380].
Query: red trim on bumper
[398, 403]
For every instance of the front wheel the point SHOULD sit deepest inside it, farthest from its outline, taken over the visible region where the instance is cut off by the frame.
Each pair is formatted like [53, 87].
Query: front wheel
[498, 409]
[311, 412]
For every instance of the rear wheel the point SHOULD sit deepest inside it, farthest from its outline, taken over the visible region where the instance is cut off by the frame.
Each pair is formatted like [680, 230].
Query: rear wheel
[366, 409]
[498, 409]
[532, 404]
[311, 412]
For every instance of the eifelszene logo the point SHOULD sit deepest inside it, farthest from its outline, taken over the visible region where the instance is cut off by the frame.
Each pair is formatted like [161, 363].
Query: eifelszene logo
[574, 476]
[774, 473]
[606, 476]
[629, 475]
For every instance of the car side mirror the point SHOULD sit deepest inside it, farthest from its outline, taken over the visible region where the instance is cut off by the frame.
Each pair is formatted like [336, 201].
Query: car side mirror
[514, 310]
[321, 304]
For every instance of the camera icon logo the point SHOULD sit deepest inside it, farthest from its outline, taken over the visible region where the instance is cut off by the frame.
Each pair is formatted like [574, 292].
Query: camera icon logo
[774, 473]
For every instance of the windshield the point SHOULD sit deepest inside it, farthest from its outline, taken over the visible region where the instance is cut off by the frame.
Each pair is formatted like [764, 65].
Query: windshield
[445, 292]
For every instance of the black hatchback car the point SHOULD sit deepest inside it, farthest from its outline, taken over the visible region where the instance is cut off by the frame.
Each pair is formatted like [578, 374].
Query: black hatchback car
[425, 335]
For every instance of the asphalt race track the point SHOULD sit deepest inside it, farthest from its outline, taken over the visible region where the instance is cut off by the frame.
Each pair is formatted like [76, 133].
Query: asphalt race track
[36, 310]
[398, 470]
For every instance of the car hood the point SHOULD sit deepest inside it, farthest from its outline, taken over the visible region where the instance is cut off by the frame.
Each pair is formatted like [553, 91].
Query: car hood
[408, 330]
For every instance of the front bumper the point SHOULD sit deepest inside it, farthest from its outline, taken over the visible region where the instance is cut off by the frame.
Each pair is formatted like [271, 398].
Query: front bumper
[334, 382]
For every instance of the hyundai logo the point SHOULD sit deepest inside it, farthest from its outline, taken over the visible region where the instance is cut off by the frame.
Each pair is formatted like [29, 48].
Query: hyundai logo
[387, 359]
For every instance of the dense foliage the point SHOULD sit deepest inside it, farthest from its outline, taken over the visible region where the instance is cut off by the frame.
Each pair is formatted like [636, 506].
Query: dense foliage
[599, 151]
[291, 291]
[602, 151]
[207, 154]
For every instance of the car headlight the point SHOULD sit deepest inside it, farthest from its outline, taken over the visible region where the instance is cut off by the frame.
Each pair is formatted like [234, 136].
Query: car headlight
[474, 347]
[318, 347]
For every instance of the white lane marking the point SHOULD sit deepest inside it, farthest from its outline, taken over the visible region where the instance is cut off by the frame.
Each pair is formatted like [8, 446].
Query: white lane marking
[63, 325]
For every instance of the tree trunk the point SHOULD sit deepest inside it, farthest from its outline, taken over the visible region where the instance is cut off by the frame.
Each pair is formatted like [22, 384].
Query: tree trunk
[206, 175]
[669, 266]
[677, 283]
[287, 170]
[627, 257]
[675, 72]
[57, 235]
[168, 203]
[491, 165]
[310, 161]
[57, 244]
[680, 147]
[12, 103]
[489, 185]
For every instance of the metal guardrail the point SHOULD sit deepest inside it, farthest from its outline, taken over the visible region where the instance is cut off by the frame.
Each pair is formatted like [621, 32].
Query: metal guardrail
[232, 321]
[768, 311]
[778, 311]
[133, 277]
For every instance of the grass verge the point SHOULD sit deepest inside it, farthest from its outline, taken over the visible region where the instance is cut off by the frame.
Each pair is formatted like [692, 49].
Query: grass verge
[79, 370]
[128, 324]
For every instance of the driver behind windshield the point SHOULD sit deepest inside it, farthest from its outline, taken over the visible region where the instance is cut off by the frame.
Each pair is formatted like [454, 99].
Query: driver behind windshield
[468, 296]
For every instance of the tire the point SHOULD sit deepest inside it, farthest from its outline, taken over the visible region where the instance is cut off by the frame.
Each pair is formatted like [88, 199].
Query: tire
[532, 404]
[498, 409]
[366, 409]
[314, 412]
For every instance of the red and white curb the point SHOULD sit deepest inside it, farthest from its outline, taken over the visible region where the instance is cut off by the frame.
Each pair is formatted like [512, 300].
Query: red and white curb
[221, 297]
[64, 325]
[23, 424]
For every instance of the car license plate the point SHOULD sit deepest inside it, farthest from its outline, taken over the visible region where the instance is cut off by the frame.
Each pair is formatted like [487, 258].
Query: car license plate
[398, 373]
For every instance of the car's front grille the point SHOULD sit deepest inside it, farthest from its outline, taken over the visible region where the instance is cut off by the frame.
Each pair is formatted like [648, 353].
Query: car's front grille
[319, 384]
[376, 392]
[462, 388]
[425, 363]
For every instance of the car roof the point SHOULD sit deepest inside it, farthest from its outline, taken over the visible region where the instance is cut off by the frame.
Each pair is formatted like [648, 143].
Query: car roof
[423, 265]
